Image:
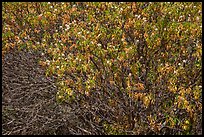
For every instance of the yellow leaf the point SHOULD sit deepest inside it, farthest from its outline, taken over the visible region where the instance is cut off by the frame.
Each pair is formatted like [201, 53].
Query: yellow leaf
[69, 91]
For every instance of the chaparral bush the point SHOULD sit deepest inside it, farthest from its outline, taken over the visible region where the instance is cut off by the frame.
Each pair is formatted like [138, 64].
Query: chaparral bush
[123, 67]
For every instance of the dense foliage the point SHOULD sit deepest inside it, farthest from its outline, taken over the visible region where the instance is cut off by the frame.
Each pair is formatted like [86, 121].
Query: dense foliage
[126, 68]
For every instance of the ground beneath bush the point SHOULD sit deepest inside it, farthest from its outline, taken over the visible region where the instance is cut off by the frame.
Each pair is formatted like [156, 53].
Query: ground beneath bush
[28, 98]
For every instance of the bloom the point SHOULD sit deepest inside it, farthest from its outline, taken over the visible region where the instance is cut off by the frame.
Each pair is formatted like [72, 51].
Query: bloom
[200, 86]
[67, 26]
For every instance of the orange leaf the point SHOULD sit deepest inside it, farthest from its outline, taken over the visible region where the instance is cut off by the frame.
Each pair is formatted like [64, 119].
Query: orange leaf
[139, 86]
[72, 46]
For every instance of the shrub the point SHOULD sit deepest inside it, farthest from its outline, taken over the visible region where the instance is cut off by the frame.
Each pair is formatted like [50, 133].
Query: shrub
[125, 68]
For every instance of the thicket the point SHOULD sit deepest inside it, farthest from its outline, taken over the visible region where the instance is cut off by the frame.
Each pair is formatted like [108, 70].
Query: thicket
[124, 68]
